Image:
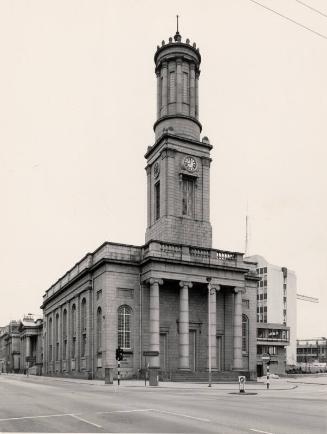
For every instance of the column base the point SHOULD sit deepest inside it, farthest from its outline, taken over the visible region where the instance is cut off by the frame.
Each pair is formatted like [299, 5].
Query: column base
[108, 375]
[153, 376]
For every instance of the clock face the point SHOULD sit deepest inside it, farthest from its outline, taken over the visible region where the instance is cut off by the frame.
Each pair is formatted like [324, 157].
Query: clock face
[190, 164]
[156, 169]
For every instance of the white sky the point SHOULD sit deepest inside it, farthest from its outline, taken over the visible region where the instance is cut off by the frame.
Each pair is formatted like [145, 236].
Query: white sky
[77, 106]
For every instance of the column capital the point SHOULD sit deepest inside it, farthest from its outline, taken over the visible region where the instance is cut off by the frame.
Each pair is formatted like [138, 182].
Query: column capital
[239, 290]
[183, 283]
[154, 280]
[215, 286]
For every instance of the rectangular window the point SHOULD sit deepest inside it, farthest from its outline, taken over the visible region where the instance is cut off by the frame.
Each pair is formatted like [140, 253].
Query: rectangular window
[172, 86]
[157, 201]
[185, 87]
[188, 197]
[57, 351]
[73, 348]
[83, 349]
[64, 352]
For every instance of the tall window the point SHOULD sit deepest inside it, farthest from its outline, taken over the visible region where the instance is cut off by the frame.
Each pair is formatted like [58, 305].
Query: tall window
[57, 336]
[64, 323]
[83, 314]
[188, 197]
[83, 325]
[245, 334]
[124, 326]
[73, 348]
[185, 87]
[50, 339]
[172, 86]
[99, 329]
[64, 330]
[74, 320]
[157, 200]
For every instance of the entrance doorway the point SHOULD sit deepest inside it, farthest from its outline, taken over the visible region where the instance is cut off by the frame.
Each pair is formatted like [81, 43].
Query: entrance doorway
[219, 346]
[163, 352]
[193, 350]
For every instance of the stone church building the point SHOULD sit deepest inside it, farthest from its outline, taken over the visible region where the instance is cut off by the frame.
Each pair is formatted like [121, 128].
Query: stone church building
[175, 294]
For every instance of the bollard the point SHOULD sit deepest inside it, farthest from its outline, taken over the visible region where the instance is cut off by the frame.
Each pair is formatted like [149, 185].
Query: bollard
[241, 382]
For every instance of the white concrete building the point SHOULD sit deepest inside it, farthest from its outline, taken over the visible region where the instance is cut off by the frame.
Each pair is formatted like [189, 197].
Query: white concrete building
[276, 300]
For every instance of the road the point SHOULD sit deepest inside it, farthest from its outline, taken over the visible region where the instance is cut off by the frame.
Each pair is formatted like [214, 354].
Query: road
[42, 404]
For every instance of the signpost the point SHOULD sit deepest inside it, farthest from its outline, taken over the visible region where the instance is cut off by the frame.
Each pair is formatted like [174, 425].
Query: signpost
[266, 358]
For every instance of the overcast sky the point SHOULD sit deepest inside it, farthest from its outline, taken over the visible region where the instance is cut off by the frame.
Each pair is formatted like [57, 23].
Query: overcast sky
[77, 107]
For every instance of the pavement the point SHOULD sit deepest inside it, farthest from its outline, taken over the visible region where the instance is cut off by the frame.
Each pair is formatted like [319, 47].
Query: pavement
[260, 384]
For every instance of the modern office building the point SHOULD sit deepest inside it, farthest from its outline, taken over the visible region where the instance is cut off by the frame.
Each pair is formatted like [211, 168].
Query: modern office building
[276, 315]
[311, 350]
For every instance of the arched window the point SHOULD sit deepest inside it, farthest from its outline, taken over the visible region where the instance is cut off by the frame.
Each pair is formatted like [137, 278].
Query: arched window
[64, 329]
[245, 334]
[124, 327]
[73, 348]
[83, 327]
[64, 323]
[99, 329]
[57, 336]
[74, 320]
[50, 339]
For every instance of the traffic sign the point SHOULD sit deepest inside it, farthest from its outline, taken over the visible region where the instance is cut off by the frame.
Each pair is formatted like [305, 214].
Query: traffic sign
[150, 353]
[265, 357]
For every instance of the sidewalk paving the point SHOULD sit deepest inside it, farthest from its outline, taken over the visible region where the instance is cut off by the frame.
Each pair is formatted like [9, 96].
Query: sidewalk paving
[275, 384]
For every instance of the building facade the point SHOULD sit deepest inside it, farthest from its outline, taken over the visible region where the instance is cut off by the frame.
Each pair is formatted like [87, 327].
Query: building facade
[276, 315]
[21, 346]
[175, 295]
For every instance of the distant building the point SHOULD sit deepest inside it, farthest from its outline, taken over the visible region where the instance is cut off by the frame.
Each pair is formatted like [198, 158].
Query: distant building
[276, 315]
[21, 346]
[158, 297]
[312, 350]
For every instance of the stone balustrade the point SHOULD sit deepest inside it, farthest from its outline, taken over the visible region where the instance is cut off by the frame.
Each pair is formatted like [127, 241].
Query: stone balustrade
[160, 249]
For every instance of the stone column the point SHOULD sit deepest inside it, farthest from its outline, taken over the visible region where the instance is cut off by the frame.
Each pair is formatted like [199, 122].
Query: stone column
[197, 74]
[179, 86]
[154, 326]
[158, 94]
[27, 346]
[237, 339]
[164, 89]
[213, 321]
[192, 90]
[184, 344]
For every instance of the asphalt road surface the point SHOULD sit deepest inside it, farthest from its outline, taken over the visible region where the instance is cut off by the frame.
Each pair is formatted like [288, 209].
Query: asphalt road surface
[41, 404]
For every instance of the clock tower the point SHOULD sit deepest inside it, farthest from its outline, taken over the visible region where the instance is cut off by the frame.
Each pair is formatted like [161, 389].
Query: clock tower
[178, 164]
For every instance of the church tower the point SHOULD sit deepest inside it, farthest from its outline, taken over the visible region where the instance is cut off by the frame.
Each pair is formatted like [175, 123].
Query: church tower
[178, 164]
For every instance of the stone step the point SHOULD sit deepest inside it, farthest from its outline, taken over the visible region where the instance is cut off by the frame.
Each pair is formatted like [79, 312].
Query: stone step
[202, 376]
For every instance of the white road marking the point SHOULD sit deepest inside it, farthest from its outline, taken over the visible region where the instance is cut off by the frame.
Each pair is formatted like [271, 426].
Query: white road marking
[35, 417]
[258, 430]
[86, 421]
[125, 411]
[181, 415]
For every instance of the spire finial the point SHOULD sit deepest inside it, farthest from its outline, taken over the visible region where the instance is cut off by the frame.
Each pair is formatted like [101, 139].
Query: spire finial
[177, 37]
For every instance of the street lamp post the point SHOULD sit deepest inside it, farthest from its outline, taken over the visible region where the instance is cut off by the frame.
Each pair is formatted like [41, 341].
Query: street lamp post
[209, 332]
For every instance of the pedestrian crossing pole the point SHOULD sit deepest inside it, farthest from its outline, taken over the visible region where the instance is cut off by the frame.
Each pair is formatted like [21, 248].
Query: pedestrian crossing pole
[118, 372]
[268, 373]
